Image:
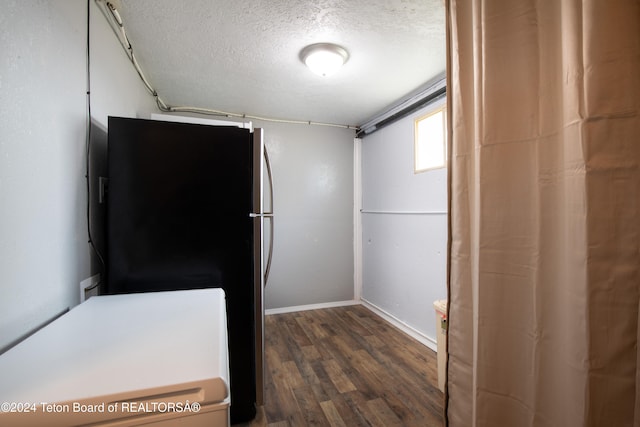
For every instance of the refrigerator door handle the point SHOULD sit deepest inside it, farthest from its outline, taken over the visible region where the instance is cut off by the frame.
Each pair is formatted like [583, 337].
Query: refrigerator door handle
[269, 215]
[267, 268]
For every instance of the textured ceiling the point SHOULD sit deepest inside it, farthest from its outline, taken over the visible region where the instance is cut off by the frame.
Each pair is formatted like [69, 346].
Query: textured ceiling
[242, 56]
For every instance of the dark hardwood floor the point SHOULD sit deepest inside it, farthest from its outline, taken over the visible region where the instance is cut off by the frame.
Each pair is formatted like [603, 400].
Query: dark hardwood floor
[348, 367]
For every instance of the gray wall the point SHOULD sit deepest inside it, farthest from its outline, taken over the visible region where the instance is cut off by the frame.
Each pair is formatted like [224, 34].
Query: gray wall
[43, 239]
[403, 255]
[313, 195]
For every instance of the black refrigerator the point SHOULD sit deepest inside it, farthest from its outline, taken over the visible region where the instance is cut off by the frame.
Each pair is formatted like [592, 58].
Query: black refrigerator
[184, 211]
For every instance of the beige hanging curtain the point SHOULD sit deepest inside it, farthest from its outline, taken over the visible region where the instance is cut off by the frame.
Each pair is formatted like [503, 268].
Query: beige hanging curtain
[544, 99]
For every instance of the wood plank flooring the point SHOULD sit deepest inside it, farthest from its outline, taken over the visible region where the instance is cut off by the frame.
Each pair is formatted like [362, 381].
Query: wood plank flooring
[346, 366]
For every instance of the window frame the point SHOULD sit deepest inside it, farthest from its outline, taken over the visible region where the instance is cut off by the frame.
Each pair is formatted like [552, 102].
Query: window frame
[442, 108]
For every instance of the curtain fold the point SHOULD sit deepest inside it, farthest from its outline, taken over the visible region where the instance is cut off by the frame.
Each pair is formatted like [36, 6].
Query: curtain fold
[544, 262]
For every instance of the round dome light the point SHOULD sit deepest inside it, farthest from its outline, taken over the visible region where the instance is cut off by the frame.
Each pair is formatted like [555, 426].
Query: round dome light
[324, 59]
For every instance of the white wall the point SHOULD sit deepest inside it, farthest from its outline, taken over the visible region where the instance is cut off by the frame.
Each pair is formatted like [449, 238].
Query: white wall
[313, 204]
[404, 254]
[43, 239]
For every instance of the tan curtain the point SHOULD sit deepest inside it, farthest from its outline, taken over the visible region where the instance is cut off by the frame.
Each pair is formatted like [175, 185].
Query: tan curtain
[544, 268]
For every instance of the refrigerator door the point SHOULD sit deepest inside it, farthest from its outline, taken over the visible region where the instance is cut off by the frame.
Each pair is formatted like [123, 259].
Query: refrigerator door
[178, 207]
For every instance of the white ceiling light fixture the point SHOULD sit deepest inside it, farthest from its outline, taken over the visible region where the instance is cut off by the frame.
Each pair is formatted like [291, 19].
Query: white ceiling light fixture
[324, 59]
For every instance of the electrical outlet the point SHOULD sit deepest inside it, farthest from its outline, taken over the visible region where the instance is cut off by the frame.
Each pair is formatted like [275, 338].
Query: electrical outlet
[88, 287]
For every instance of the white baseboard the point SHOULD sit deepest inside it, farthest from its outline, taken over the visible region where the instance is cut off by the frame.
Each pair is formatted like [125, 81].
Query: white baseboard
[409, 330]
[310, 307]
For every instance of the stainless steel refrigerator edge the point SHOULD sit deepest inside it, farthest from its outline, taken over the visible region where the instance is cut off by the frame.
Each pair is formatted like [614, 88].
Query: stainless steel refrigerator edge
[258, 256]
[261, 270]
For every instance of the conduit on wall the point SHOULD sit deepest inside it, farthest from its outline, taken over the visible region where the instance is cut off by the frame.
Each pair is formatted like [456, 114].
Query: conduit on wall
[110, 8]
[430, 93]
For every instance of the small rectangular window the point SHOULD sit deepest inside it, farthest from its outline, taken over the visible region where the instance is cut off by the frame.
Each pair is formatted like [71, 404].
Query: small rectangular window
[430, 141]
